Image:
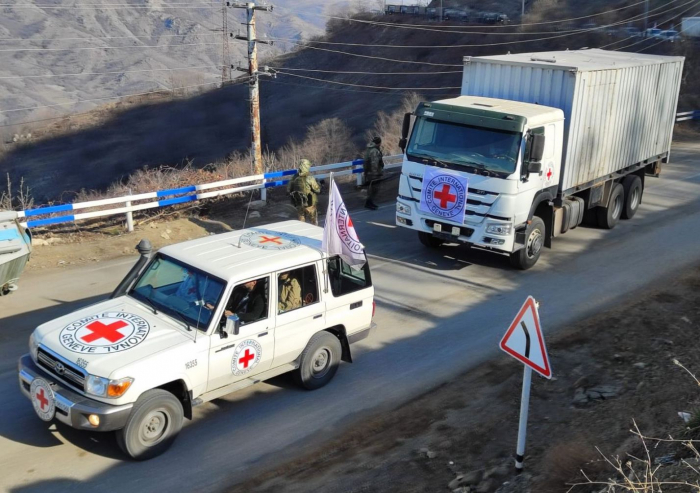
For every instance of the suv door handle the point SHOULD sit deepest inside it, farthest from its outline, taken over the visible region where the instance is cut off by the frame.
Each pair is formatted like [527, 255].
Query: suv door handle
[357, 304]
[318, 316]
[262, 334]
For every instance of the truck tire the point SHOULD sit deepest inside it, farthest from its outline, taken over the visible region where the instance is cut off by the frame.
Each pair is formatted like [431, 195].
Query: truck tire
[429, 240]
[319, 361]
[528, 256]
[632, 185]
[610, 215]
[152, 426]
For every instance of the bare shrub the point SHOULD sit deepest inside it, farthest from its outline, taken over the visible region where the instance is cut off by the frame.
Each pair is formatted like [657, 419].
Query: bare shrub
[19, 200]
[562, 463]
[388, 125]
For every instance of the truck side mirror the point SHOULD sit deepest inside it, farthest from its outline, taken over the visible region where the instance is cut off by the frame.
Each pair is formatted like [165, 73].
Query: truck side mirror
[404, 131]
[534, 167]
[536, 148]
[233, 325]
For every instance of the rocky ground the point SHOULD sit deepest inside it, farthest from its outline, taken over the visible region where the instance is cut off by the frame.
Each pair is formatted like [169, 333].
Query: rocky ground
[614, 377]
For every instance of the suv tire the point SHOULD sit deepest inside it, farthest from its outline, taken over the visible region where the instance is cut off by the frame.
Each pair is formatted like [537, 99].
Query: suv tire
[152, 426]
[319, 361]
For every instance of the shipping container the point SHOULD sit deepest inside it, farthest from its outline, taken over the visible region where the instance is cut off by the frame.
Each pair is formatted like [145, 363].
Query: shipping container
[619, 107]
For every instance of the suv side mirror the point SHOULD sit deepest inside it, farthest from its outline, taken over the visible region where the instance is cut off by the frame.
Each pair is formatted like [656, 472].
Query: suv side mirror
[233, 325]
[536, 148]
[404, 131]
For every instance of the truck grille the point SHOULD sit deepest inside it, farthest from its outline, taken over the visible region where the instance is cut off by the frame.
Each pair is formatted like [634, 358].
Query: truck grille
[61, 369]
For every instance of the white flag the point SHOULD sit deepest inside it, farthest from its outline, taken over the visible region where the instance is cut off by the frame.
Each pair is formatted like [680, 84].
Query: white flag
[339, 235]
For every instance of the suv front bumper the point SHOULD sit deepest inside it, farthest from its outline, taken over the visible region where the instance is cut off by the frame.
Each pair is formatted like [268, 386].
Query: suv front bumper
[72, 408]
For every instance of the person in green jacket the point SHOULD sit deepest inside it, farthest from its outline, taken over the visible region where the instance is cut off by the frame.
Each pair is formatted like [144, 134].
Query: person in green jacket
[303, 190]
[373, 171]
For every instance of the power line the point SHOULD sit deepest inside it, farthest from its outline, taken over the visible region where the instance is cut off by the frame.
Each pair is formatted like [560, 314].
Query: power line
[644, 39]
[91, 38]
[102, 99]
[96, 7]
[375, 57]
[368, 86]
[343, 89]
[81, 74]
[442, 28]
[365, 73]
[473, 45]
[14, 50]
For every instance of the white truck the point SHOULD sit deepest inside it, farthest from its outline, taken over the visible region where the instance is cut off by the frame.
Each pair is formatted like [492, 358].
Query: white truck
[690, 27]
[544, 139]
[194, 322]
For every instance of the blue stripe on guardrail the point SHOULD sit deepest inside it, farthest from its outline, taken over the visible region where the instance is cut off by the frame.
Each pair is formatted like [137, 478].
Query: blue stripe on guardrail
[358, 170]
[271, 184]
[48, 210]
[175, 191]
[358, 162]
[178, 200]
[279, 174]
[51, 220]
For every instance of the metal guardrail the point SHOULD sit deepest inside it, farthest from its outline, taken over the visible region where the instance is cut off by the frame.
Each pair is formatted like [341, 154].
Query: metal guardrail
[688, 115]
[191, 193]
[198, 192]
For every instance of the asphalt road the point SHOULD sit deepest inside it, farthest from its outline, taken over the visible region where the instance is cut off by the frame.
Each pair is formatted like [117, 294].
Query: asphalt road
[439, 313]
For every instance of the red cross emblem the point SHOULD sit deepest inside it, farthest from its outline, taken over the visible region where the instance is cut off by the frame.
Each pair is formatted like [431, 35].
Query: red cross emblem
[102, 331]
[41, 397]
[444, 196]
[549, 173]
[247, 357]
[274, 239]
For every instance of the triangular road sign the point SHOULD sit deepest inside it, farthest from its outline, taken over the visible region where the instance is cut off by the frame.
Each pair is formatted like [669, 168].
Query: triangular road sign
[524, 340]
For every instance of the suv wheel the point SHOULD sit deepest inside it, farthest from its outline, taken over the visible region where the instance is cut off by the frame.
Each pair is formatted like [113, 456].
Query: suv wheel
[319, 361]
[153, 425]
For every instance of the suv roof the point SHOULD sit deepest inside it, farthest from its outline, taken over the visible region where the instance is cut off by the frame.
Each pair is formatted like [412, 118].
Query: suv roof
[254, 251]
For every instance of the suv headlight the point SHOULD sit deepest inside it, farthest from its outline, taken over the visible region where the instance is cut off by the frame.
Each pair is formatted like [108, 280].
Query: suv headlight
[33, 347]
[499, 229]
[403, 208]
[103, 387]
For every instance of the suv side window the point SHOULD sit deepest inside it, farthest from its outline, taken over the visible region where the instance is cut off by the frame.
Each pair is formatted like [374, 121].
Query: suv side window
[344, 279]
[297, 288]
[249, 300]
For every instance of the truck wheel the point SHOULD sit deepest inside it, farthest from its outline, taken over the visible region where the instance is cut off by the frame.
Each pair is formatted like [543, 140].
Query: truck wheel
[319, 361]
[632, 185]
[429, 240]
[610, 215]
[152, 426]
[526, 257]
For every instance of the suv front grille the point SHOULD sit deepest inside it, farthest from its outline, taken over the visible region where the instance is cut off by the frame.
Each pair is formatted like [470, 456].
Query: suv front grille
[70, 372]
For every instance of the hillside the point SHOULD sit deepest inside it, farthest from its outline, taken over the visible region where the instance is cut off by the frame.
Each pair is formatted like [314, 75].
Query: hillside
[147, 39]
[95, 150]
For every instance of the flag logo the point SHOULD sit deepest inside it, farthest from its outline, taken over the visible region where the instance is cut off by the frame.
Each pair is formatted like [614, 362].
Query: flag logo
[444, 194]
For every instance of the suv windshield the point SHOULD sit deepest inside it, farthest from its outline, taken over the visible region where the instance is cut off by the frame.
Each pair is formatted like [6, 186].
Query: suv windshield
[465, 145]
[179, 290]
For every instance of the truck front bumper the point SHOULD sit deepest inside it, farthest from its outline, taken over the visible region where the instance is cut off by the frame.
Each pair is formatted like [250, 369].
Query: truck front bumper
[72, 408]
[471, 233]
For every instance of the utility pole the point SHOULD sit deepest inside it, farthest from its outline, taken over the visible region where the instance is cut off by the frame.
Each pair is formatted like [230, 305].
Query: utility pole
[253, 82]
[225, 53]
[646, 17]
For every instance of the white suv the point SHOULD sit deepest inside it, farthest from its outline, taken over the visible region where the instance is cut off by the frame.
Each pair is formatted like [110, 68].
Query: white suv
[197, 321]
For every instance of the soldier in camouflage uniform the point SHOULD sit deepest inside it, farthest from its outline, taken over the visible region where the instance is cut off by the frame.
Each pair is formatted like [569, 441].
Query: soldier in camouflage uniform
[303, 189]
[373, 171]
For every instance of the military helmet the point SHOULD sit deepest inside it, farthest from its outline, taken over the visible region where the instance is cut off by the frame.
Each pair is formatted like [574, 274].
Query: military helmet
[304, 166]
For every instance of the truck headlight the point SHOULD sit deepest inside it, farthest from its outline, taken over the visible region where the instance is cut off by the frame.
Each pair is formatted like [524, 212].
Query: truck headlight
[33, 347]
[403, 208]
[103, 387]
[499, 229]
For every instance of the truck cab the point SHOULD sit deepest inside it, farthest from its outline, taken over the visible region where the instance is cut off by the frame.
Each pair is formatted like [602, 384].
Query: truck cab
[493, 142]
[194, 322]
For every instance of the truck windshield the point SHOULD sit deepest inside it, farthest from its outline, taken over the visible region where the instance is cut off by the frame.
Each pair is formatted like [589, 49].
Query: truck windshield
[465, 145]
[179, 290]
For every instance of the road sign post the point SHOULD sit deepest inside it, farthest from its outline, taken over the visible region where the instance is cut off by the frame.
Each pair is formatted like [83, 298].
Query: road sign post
[524, 341]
